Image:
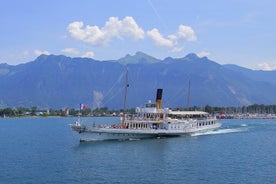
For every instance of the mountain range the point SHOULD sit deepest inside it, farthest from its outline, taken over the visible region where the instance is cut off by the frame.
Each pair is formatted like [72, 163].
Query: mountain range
[52, 81]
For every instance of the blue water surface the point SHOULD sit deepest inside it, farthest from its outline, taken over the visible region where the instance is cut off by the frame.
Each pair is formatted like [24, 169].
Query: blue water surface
[45, 150]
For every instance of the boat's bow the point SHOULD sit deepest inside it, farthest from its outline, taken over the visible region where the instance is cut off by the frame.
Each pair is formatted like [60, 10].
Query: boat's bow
[77, 126]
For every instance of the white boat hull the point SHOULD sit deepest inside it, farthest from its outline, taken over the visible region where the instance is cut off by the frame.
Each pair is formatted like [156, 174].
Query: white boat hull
[93, 136]
[98, 134]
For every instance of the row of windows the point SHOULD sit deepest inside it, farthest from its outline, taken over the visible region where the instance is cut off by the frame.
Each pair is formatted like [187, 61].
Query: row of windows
[196, 116]
[120, 134]
[136, 125]
[175, 126]
[206, 123]
[198, 124]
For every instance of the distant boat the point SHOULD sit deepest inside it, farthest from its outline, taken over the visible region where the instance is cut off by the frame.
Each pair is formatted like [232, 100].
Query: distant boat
[151, 121]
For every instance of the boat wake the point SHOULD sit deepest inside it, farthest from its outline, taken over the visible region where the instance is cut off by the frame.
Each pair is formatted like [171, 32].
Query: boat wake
[221, 131]
[134, 139]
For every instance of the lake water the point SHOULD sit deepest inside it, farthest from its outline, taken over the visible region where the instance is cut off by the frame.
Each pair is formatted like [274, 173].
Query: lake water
[45, 150]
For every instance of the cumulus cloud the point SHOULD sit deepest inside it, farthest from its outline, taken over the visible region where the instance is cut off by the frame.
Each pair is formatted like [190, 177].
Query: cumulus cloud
[88, 54]
[128, 28]
[70, 51]
[76, 52]
[159, 39]
[184, 33]
[114, 28]
[266, 66]
[203, 54]
[39, 52]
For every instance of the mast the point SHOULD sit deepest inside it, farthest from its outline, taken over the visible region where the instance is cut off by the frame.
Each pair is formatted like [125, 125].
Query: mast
[188, 96]
[82, 106]
[126, 86]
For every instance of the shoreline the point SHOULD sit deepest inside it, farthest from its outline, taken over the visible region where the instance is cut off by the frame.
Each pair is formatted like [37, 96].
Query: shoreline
[224, 116]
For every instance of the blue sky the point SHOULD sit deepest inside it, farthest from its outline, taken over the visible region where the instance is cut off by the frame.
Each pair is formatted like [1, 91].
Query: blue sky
[238, 32]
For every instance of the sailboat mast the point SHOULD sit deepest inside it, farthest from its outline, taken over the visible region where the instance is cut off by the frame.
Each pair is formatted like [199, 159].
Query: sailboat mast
[188, 96]
[126, 86]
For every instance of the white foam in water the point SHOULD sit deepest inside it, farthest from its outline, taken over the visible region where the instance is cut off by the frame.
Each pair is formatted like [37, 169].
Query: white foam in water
[244, 125]
[220, 131]
[134, 139]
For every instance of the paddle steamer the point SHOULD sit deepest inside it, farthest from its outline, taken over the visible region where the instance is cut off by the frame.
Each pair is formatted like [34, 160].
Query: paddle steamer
[151, 121]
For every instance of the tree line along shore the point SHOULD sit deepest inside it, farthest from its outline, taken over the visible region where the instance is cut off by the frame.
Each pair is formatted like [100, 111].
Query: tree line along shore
[251, 111]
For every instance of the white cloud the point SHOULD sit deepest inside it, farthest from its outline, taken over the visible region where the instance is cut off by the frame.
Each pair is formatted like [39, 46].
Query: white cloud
[159, 39]
[76, 52]
[88, 54]
[126, 28]
[25, 53]
[123, 28]
[71, 51]
[203, 54]
[184, 33]
[266, 66]
[39, 52]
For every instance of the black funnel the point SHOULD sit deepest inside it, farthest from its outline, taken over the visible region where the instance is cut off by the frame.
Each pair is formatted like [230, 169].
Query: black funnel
[159, 98]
